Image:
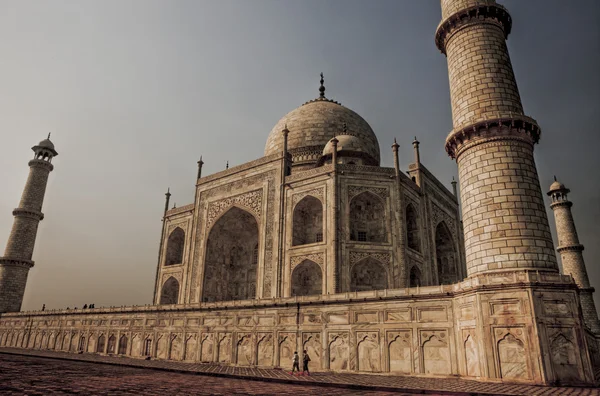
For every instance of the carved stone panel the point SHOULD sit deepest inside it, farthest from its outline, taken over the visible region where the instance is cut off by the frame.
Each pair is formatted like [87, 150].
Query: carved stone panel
[435, 352]
[191, 348]
[399, 351]
[311, 343]
[252, 201]
[287, 346]
[473, 369]
[369, 358]
[206, 347]
[264, 349]
[176, 352]
[338, 351]
[244, 350]
[317, 193]
[564, 354]
[511, 354]
[224, 348]
[162, 346]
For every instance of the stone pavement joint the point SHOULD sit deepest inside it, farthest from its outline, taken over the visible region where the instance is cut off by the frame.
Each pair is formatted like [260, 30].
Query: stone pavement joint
[366, 382]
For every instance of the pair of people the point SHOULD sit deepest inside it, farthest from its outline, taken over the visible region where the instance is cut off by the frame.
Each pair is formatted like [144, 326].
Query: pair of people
[296, 363]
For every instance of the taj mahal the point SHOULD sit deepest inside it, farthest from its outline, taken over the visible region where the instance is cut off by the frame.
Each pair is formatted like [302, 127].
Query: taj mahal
[315, 246]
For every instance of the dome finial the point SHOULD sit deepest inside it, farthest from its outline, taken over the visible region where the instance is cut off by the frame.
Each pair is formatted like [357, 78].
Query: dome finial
[345, 128]
[49, 135]
[322, 88]
[555, 178]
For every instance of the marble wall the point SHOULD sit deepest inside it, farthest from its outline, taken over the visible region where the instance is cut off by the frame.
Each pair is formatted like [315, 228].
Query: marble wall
[513, 327]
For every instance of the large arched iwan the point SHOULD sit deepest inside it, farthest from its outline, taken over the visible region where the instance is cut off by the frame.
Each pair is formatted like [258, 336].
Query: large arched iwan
[367, 218]
[230, 271]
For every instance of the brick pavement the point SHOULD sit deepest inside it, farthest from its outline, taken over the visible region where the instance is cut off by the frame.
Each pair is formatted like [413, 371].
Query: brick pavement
[271, 381]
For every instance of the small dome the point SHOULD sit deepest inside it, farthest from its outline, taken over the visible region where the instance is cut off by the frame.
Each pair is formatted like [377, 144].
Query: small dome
[345, 143]
[46, 143]
[313, 124]
[557, 186]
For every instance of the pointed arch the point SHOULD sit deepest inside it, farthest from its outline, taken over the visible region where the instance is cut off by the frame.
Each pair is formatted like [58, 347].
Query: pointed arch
[307, 279]
[415, 277]
[112, 343]
[123, 345]
[513, 358]
[307, 221]
[445, 255]
[367, 218]
[230, 271]
[368, 274]
[101, 343]
[412, 228]
[170, 291]
[175, 245]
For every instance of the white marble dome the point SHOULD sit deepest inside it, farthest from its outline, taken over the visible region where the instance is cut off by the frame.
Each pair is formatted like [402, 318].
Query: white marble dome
[313, 124]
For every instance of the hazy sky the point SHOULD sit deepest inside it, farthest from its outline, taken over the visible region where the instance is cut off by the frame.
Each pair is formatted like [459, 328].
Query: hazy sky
[135, 91]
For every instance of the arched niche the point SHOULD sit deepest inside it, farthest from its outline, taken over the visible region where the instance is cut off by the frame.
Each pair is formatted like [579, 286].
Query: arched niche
[307, 279]
[367, 218]
[175, 247]
[307, 221]
[170, 291]
[412, 229]
[445, 255]
[230, 270]
[415, 277]
[368, 274]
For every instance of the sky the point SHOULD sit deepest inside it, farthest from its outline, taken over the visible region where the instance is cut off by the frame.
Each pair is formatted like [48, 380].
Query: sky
[135, 91]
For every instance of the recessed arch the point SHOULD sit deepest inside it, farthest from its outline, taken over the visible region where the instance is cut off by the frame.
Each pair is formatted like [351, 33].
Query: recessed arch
[123, 345]
[445, 253]
[415, 277]
[175, 245]
[101, 343]
[170, 291]
[307, 221]
[412, 228]
[368, 274]
[230, 270]
[367, 218]
[307, 279]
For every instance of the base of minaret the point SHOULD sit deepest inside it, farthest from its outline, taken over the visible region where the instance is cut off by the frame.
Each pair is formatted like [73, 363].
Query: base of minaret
[13, 279]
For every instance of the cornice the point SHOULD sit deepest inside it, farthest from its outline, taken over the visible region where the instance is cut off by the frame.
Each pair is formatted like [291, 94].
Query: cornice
[491, 13]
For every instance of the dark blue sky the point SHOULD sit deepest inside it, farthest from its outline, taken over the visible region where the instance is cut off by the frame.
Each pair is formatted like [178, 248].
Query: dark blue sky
[134, 92]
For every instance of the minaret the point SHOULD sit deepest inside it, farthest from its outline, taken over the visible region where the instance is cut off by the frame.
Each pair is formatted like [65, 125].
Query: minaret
[570, 251]
[15, 264]
[505, 222]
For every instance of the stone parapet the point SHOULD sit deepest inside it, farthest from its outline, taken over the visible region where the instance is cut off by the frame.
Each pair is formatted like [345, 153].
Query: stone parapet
[487, 327]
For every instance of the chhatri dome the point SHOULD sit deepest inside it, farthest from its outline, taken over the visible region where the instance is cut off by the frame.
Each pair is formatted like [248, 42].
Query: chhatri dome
[312, 125]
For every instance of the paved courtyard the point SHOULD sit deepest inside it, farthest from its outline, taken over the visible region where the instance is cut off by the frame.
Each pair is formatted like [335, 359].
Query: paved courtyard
[36, 372]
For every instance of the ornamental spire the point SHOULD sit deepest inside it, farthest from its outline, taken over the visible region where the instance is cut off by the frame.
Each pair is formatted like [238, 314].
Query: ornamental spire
[322, 88]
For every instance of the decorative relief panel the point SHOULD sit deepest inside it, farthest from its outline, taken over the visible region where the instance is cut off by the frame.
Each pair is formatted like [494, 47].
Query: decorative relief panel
[251, 201]
[505, 307]
[318, 258]
[338, 351]
[166, 275]
[382, 257]
[180, 224]
[311, 343]
[369, 358]
[557, 308]
[317, 193]
[435, 352]
[564, 354]
[511, 353]
[353, 191]
[399, 344]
